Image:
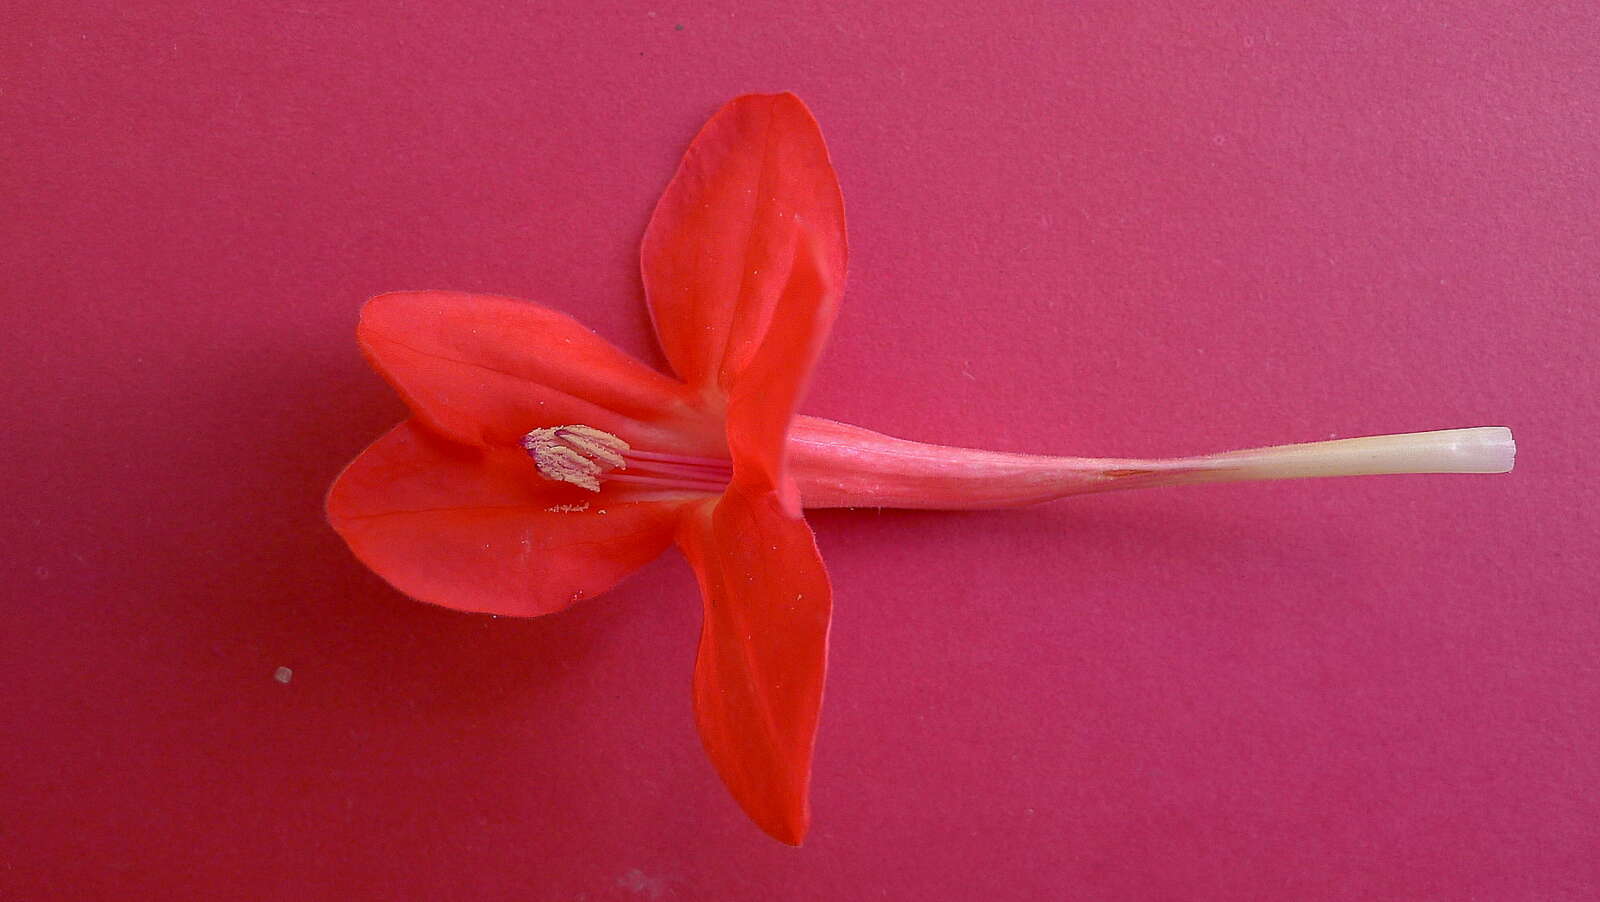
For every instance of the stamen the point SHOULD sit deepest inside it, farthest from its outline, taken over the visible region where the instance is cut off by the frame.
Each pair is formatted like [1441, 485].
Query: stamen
[585, 456]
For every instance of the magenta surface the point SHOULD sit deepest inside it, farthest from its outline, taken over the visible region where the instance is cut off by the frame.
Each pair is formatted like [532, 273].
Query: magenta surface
[1159, 230]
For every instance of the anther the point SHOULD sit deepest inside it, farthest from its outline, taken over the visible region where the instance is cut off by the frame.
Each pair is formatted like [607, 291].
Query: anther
[575, 454]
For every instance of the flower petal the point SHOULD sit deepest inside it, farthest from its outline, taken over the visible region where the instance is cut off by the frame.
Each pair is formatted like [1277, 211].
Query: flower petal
[758, 675]
[719, 249]
[484, 370]
[474, 529]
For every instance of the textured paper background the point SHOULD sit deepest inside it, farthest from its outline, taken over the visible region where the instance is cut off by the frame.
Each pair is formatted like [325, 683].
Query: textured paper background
[1101, 229]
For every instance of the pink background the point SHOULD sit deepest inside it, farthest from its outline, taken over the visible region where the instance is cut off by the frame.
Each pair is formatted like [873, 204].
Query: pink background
[1153, 229]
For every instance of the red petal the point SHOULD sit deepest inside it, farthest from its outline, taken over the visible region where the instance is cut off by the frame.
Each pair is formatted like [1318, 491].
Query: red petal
[719, 249]
[763, 653]
[472, 528]
[484, 370]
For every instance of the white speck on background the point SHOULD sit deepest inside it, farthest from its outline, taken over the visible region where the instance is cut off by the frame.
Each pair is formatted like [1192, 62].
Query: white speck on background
[635, 881]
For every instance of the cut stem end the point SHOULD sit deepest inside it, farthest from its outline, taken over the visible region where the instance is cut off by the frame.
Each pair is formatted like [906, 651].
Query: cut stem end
[1483, 449]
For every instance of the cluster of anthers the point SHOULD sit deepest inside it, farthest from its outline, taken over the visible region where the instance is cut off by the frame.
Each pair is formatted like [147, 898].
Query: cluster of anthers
[585, 456]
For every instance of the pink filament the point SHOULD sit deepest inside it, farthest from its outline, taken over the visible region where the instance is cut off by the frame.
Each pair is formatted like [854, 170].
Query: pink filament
[676, 471]
[667, 482]
[694, 474]
[704, 463]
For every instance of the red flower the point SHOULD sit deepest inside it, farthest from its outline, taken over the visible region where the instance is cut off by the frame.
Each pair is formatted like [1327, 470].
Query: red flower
[541, 465]
[743, 264]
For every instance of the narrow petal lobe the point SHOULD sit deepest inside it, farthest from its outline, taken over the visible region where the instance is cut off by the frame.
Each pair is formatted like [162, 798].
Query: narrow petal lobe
[717, 256]
[483, 370]
[763, 653]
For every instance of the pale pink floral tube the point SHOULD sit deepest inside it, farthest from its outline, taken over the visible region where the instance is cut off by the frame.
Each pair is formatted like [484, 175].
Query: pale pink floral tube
[838, 465]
